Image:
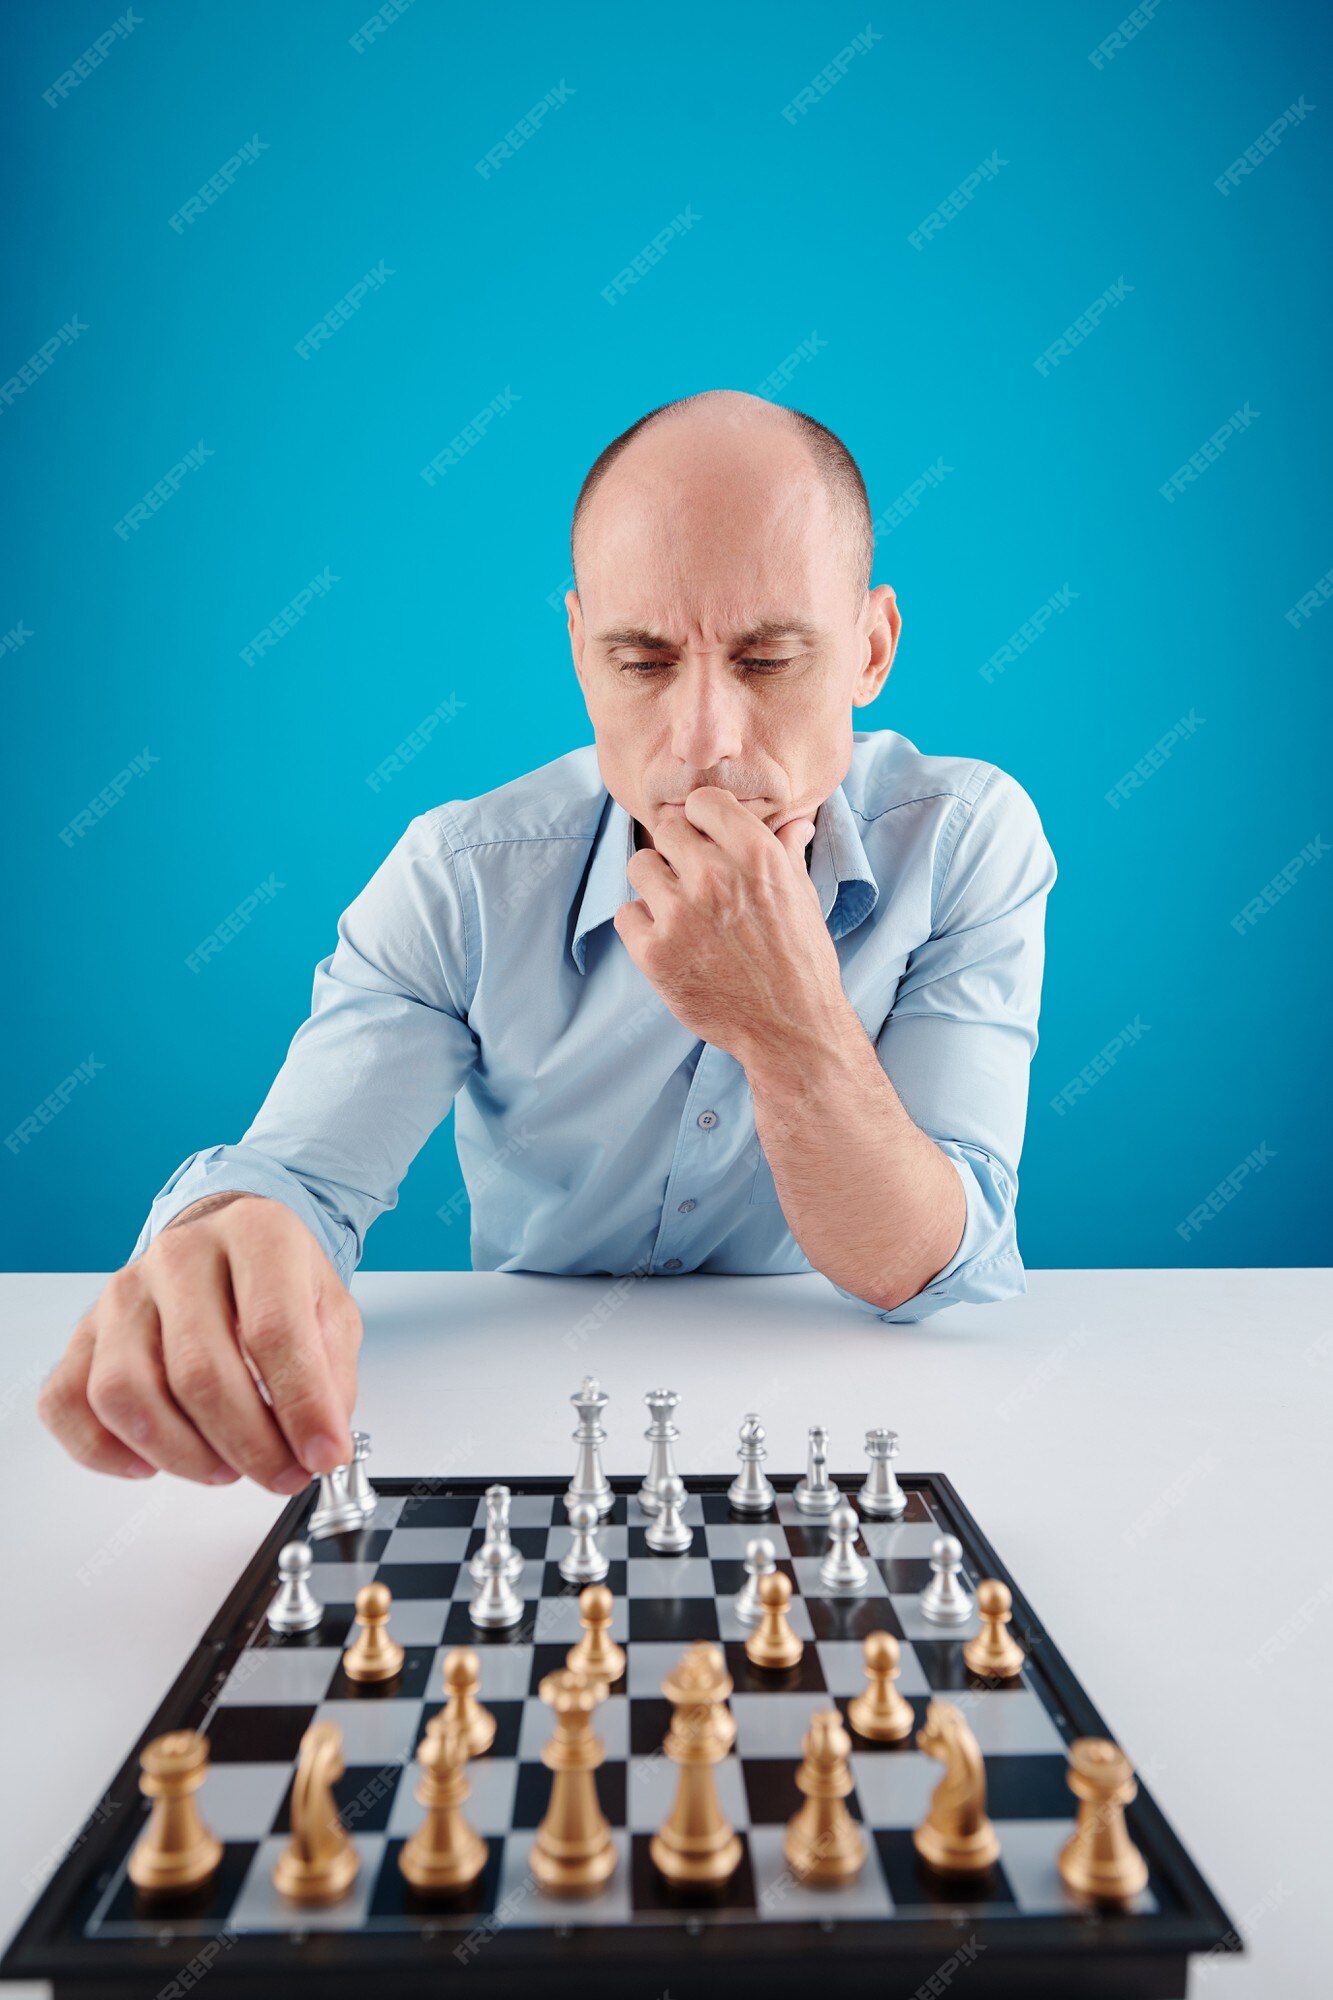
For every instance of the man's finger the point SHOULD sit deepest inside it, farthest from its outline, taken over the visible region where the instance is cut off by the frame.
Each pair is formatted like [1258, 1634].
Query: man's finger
[634, 927]
[129, 1390]
[653, 876]
[795, 837]
[721, 816]
[63, 1407]
[279, 1329]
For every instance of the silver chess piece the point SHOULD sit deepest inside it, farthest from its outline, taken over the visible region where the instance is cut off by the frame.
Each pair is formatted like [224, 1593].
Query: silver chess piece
[882, 1496]
[589, 1481]
[750, 1492]
[497, 1530]
[661, 1435]
[359, 1489]
[346, 1498]
[585, 1561]
[495, 1603]
[668, 1535]
[296, 1607]
[842, 1568]
[760, 1561]
[944, 1600]
[816, 1493]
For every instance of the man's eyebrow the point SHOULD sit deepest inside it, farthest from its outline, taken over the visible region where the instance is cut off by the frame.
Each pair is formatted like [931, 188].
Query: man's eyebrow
[765, 633]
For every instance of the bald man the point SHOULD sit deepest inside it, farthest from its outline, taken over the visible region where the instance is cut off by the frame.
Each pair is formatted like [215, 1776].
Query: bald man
[735, 988]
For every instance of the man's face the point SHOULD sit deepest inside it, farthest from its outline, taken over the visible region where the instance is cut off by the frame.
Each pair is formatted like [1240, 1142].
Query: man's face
[717, 635]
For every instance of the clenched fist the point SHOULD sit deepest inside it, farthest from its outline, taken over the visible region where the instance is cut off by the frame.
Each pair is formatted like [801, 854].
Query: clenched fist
[165, 1371]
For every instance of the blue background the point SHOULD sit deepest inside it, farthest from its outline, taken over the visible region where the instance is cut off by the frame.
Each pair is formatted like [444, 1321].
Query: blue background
[454, 590]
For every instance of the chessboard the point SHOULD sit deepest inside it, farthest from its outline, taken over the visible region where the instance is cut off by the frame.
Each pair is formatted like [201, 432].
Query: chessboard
[254, 1693]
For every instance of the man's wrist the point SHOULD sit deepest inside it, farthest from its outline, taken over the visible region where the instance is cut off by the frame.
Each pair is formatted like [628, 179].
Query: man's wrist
[206, 1206]
[806, 1055]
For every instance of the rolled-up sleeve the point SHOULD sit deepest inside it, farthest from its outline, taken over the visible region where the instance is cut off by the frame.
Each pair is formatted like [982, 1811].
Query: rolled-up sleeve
[959, 1041]
[373, 1070]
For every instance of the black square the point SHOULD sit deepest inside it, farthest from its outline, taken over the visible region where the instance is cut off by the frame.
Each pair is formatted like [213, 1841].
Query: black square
[916, 1510]
[905, 1574]
[508, 1720]
[460, 1631]
[425, 1511]
[811, 1538]
[717, 1507]
[357, 1545]
[419, 1579]
[333, 1629]
[867, 1746]
[553, 1584]
[649, 1721]
[673, 1619]
[211, 1904]
[729, 1575]
[806, 1677]
[364, 1796]
[532, 1794]
[530, 1542]
[943, 1664]
[914, 1886]
[394, 1896]
[409, 1683]
[258, 1735]
[652, 1895]
[1029, 1787]
[851, 1617]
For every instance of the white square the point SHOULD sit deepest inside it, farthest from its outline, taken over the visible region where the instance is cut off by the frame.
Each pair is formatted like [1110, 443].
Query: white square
[783, 1898]
[843, 1661]
[670, 1576]
[259, 1907]
[650, 1792]
[426, 1545]
[526, 1904]
[275, 1677]
[490, 1809]
[374, 1732]
[610, 1721]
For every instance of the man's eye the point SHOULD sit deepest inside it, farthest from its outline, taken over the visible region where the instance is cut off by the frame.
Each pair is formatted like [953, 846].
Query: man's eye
[764, 666]
[642, 666]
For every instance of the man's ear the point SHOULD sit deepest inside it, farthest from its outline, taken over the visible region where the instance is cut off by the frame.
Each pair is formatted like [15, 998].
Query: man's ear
[883, 625]
[574, 615]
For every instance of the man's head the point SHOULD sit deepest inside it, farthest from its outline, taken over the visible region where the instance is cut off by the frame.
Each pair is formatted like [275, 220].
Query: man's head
[723, 627]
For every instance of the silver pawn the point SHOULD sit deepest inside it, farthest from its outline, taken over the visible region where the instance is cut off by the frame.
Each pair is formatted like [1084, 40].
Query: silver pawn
[750, 1491]
[360, 1492]
[760, 1561]
[589, 1481]
[842, 1568]
[944, 1600]
[584, 1561]
[495, 1603]
[816, 1493]
[497, 1530]
[661, 1435]
[668, 1535]
[336, 1513]
[882, 1496]
[296, 1607]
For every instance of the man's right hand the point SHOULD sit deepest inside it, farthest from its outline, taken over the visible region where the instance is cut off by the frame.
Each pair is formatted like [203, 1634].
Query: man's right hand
[161, 1372]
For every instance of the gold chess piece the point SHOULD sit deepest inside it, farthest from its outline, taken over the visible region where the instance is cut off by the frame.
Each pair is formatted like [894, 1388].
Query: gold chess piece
[319, 1862]
[462, 1711]
[1099, 1860]
[955, 1837]
[773, 1643]
[175, 1851]
[573, 1853]
[596, 1656]
[882, 1713]
[373, 1655]
[444, 1853]
[994, 1653]
[697, 1845]
[823, 1843]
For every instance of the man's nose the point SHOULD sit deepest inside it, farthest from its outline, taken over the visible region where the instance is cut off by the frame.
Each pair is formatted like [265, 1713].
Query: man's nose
[706, 722]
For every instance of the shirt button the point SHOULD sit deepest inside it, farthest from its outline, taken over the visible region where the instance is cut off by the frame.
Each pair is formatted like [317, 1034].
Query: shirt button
[686, 1206]
[672, 1264]
[708, 1120]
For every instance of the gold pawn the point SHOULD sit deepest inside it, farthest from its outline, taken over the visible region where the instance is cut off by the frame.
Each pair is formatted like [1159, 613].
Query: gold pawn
[882, 1713]
[573, 1853]
[319, 1862]
[823, 1843]
[596, 1656]
[1099, 1860]
[444, 1853]
[373, 1655]
[697, 1845]
[773, 1643]
[994, 1653]
[175, 1851]
[462, 1710]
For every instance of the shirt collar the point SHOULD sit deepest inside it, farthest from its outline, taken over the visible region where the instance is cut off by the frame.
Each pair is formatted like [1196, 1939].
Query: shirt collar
[839, 870]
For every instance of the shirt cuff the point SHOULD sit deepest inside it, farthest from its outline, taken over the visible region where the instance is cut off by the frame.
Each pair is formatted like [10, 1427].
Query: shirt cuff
[986, 1266]
[245, 1170]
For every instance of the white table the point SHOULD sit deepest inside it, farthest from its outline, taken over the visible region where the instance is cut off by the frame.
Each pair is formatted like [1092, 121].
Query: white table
[1148, 1451]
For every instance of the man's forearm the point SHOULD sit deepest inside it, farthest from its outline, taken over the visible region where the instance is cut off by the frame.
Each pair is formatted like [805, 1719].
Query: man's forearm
[872, 1201]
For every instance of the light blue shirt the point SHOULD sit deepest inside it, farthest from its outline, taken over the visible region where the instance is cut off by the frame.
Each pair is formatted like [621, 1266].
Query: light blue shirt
[595, 1133]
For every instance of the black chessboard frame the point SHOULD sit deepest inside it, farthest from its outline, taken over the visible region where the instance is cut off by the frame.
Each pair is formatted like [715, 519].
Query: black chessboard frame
[1135, 1955]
